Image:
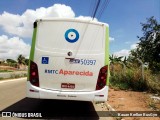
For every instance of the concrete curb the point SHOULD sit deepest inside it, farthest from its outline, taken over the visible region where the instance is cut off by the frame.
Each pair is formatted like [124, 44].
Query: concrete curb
[110, 108]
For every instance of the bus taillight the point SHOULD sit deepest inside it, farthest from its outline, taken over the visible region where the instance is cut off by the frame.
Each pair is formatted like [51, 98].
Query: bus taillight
[34, 77]
[101, 82]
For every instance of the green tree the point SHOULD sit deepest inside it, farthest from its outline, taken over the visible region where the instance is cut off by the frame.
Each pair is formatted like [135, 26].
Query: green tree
[26, 62]
[11, 62]
[21, 60]
[148, 49]
[113, 60]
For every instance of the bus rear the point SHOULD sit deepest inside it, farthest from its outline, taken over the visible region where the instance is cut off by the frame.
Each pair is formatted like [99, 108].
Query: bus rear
[69, 60]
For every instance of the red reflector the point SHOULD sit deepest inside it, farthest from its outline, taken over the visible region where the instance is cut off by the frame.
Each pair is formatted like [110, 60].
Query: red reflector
[33, 90]
[99, 95]
[102, 77]
[101, 80]
[34, 77]
[33, 73]
[103, 70]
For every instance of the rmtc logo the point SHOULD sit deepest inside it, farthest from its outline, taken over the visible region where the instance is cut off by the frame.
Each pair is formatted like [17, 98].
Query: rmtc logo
[66, 72]
[51, 71]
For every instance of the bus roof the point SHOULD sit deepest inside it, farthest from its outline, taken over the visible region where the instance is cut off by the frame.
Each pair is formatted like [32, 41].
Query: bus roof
[74, 20]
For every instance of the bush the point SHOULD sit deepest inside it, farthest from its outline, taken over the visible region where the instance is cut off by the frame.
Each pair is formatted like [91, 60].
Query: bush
[131, 79]
[153, 81]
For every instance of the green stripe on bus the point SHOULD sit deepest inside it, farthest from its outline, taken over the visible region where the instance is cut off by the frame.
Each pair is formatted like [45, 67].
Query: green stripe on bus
[107, 52]
[33, 44]
[107, 47]
[32, 50]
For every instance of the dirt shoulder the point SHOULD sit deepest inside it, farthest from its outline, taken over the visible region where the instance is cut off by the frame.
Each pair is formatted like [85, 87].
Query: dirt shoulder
[133, 101]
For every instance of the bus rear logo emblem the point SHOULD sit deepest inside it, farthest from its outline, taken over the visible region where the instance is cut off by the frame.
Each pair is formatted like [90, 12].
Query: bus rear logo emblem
[71, 35]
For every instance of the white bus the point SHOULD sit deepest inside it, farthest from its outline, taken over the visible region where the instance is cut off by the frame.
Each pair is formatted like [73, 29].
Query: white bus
[69, 60]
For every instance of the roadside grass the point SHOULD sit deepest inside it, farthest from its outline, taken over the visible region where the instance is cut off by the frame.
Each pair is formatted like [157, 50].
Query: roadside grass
[14, 77]
[12, 72]
[153, 82]
[153, 104]
[2, 71]
[131, 79]
[18, 76]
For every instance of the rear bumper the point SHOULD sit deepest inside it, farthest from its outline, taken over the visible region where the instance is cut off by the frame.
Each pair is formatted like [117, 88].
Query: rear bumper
[36, 92]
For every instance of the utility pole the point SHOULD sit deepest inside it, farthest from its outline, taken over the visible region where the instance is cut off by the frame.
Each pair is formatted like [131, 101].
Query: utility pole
[142, 68]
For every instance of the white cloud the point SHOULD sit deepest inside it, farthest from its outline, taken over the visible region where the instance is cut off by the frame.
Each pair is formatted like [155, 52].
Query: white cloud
[21, 25]
[111, 39]
[127, 42]
[86, 18]
[134, 46]
[123, 52]
[12, 47]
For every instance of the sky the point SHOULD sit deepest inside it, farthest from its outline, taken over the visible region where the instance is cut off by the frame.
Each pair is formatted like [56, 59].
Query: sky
[123, 16]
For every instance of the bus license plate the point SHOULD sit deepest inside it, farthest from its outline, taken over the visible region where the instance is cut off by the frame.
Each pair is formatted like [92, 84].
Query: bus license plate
[68, 85]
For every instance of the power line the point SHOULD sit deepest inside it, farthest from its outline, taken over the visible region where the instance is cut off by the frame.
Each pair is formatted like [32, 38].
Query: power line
[92, 7]
[97, 5]
[104, 6]
[97, 8]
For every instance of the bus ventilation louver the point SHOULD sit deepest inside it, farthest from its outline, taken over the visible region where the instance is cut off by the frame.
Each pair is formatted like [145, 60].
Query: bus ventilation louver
[34, 77]
[101, 82]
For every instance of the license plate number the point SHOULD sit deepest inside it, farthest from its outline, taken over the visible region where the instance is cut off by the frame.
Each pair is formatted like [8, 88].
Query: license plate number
[68, 85]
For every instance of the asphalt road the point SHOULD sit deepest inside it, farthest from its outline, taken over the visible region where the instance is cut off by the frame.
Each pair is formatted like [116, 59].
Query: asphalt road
[12, 98]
